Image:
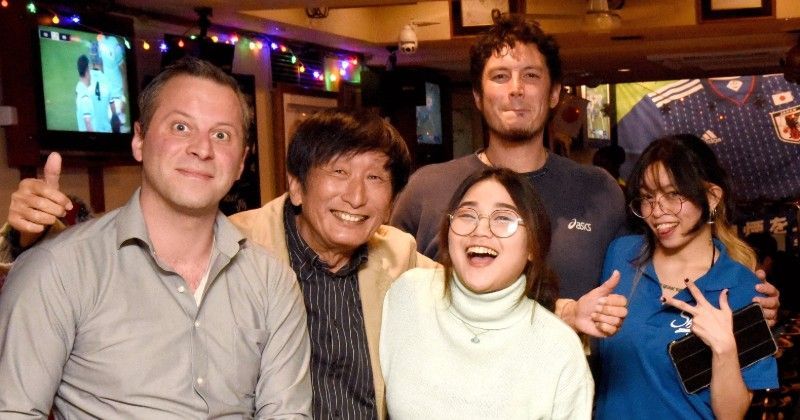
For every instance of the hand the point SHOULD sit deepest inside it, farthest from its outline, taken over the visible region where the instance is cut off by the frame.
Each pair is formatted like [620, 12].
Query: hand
[713, 326]
[770, 303]
[37, 203]
[600, 313]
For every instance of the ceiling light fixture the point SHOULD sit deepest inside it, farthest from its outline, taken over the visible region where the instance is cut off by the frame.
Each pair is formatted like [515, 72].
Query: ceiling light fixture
[317, 12]
[600, 17]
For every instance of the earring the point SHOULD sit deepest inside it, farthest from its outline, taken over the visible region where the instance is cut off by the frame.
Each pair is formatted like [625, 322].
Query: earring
[712, 216]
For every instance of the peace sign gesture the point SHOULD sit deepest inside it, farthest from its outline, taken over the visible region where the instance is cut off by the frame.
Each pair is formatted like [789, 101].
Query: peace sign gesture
[713, 326]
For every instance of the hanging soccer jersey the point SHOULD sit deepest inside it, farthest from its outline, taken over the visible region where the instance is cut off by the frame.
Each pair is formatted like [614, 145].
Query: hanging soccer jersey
[752, 123]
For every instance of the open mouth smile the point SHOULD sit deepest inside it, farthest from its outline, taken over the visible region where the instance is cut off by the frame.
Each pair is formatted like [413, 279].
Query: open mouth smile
[349, 217]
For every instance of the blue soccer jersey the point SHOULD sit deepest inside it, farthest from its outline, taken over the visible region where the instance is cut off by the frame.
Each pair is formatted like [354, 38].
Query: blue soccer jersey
[752, 123]
[637, 379]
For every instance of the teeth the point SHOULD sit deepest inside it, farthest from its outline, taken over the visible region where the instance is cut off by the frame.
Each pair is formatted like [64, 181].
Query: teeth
[349, 217]
[481, 250]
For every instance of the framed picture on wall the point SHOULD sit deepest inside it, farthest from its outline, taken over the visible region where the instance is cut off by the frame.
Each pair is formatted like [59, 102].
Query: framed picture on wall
[732, 9]
[291, 105]
[471, 17]
[429, 116]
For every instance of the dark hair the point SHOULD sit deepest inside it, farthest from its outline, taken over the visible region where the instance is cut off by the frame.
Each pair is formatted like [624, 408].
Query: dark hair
[542, 282]
[763, 243]
[193, 67]
[329, 134]
[610, 158]
[506, 32]
[692, 166]
[83, 65]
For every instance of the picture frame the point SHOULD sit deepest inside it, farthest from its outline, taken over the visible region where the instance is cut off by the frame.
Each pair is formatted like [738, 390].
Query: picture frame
[291, 105]
[471, 17]
[711, 10]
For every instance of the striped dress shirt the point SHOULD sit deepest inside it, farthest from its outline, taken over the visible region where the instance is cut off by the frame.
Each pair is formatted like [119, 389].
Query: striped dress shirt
[340, 365]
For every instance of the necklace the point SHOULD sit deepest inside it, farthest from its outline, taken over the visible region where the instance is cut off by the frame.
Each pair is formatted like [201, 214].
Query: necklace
[672, 288]
[678, 289]
[470, 327]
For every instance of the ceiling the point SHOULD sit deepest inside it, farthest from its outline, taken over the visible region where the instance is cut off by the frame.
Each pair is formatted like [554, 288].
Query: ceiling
[657, 39]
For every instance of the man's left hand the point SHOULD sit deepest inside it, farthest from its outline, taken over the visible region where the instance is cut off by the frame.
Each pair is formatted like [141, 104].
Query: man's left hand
[600, 313]
[770, 302]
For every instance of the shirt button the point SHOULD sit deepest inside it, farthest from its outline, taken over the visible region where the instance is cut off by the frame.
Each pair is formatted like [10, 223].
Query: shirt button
[197, 324]
[200, 381]
[181, 289]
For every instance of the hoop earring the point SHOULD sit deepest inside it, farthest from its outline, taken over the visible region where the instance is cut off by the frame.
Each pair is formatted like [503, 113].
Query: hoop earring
[712, 216]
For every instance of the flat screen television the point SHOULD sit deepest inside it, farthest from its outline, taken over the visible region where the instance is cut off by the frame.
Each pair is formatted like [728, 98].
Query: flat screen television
[87, 89]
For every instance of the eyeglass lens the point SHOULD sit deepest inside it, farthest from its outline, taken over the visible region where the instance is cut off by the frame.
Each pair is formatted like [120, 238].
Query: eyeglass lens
[502, 223]
[670, 203]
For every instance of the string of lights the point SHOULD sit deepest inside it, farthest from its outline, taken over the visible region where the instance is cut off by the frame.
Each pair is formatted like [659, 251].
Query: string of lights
[346, 67]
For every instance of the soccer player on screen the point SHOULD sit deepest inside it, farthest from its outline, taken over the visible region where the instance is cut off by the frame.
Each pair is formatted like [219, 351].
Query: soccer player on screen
[112, 57]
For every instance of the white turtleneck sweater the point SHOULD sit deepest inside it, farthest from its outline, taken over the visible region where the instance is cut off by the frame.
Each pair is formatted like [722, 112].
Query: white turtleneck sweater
[527, 364]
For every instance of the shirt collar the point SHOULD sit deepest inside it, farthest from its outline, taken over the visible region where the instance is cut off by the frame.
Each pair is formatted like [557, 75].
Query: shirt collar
[715, 279]
[131, 227]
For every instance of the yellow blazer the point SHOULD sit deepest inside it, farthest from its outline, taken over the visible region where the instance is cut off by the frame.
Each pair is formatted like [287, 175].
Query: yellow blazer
[390, 253]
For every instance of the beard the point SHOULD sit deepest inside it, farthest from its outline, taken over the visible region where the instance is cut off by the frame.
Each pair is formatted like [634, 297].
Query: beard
[513, 135]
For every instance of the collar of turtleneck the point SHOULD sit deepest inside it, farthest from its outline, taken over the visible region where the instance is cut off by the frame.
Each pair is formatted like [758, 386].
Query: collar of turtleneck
[494, 310]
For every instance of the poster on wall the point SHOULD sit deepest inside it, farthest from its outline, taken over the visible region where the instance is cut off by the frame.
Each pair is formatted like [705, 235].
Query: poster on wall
[598, 121]
[429, 116]
[751, 122]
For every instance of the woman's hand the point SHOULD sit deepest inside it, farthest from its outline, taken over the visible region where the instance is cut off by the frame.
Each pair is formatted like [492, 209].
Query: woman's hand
[713, 326]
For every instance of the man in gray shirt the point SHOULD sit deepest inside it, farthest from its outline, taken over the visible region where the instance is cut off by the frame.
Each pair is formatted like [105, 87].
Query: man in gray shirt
[160, 309]
[516, 82]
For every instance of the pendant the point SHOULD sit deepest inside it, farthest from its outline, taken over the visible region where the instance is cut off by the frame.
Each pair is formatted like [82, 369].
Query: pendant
[475, 340]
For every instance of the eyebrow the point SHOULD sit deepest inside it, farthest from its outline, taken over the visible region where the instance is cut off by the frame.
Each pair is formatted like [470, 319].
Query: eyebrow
[501, 205]
[188, 116]
[508, 67]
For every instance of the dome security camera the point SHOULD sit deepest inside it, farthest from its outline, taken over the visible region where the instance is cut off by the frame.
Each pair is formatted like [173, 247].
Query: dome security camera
[407, 41]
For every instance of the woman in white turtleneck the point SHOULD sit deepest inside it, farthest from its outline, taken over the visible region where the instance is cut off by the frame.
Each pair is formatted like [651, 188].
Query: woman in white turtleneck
[468, 340]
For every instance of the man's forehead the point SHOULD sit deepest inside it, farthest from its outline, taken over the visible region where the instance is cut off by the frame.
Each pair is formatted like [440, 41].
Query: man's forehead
[376, 157]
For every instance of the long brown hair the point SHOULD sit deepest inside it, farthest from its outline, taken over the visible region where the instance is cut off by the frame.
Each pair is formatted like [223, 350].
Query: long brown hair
[542, 282]
[692, 165]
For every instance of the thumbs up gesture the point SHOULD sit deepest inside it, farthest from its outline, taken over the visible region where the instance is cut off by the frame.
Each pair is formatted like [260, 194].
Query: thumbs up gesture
[37, 203]
[600, 313]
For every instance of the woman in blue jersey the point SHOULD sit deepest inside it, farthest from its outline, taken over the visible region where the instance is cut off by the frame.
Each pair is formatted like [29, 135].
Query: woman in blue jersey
[687, 273]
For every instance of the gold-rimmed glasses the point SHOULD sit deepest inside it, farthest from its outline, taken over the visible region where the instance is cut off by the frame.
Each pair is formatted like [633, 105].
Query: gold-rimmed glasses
[502, 223]
[669, 203]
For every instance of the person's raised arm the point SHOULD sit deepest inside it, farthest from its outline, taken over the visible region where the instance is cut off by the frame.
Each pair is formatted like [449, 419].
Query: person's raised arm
[730, 397]
[38, 203]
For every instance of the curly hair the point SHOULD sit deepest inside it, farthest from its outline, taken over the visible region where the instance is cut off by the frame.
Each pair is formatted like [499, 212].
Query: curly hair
[506, 32]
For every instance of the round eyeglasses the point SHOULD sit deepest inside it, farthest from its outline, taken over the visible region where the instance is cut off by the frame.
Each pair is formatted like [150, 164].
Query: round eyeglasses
[669, 203]
[502, 223]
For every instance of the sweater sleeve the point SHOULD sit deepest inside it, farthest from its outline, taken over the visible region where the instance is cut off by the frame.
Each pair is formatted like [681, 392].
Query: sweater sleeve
[575, 389]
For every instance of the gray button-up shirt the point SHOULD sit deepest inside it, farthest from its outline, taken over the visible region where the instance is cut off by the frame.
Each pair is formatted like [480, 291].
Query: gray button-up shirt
[95, 319]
